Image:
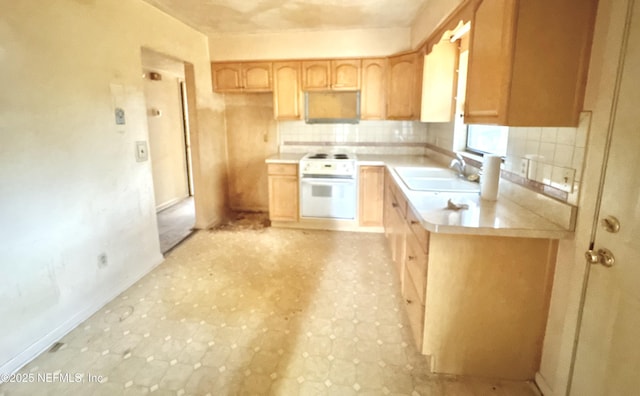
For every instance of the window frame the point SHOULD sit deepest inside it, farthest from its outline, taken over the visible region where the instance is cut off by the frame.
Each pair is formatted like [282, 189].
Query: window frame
[479, 150]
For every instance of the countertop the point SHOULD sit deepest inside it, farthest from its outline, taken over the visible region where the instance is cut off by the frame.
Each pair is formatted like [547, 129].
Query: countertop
[285, 158]
[494, 218]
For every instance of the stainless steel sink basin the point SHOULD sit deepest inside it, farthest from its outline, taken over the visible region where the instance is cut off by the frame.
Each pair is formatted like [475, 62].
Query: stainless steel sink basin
[434, 180]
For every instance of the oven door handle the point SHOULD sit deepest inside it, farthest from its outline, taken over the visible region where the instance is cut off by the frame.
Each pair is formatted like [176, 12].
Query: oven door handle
[324, 182]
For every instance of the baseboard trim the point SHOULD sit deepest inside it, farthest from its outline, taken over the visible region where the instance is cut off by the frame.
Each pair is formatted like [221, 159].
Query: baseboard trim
[326, 224]
[43, 344]
[542, 385]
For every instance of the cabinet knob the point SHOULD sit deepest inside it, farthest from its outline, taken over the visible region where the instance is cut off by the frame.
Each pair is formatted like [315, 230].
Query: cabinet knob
[411, 258]
[413, 222]
[395, 205]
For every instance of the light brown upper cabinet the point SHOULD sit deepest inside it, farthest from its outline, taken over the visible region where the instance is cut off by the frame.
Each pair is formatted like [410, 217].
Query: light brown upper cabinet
[286, 91]
[241, 77]
[528, 62]
[402, 101]
[439, 82]
[316, 74]
[372, 96]
[343, 74]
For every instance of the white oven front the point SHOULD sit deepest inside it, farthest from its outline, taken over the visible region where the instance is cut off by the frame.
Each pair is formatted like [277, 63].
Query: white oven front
[332, 198]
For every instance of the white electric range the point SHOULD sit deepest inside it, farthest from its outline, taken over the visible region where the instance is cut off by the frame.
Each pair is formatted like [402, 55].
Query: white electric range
[328, 186]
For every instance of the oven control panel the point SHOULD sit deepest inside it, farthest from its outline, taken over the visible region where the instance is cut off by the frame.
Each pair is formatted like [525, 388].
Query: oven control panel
[339, 168]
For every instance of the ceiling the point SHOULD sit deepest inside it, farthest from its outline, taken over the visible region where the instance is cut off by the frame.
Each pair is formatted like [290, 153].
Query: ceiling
[214, 17]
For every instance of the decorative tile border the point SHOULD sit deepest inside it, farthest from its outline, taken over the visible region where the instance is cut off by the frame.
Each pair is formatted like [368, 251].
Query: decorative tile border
[536, 186]
[355, 144]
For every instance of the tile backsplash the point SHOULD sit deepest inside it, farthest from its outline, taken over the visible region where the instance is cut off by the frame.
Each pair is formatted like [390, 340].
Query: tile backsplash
[550, 156]
[547, 159]
[367, 137]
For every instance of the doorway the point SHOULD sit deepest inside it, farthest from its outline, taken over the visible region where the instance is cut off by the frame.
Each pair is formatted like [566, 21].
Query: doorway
[169, 147]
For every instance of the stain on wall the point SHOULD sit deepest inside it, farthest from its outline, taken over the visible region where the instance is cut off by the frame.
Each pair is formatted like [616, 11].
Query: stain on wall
[251, 138]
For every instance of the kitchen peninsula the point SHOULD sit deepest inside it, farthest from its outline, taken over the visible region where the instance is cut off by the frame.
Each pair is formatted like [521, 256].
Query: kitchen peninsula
[476, 281]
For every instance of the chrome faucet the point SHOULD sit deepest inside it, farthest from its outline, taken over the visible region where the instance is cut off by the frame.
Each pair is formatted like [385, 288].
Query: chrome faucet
[459, 164]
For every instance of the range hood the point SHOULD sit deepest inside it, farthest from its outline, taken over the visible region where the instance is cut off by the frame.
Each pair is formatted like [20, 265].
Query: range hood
[332, 107]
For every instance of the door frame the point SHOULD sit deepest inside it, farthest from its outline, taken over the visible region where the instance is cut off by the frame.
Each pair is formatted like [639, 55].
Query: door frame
[187, 135]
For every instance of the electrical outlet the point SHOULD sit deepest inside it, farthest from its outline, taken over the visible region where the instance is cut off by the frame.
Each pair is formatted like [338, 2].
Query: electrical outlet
[102, 260]
[142, 154]
[562, 178]
[523, 170]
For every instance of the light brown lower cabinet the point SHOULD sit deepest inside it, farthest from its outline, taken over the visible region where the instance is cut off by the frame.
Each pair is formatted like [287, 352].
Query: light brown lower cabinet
[283, 192]
[371, 196]
[477, 304]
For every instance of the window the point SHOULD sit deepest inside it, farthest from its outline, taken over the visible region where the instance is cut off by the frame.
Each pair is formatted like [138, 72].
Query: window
[490, 139]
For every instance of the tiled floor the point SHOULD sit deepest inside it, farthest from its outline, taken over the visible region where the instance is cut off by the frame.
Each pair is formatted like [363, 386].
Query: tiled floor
[255, 312]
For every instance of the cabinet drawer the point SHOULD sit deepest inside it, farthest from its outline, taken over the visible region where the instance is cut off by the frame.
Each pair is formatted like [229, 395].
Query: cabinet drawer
[416, 266]
[415, 312]
[398, 201]
[282, 169]
[418, 230]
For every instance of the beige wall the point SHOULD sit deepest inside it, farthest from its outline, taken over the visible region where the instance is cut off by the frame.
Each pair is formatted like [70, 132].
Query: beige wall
[310, 44]
[71, 187]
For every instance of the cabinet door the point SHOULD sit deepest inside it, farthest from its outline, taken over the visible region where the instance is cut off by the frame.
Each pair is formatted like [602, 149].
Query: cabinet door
[345, 74]
[316, 75]
[388, 209]
[401, 94]
[372, 96]
[416, 266]
[370, 206]
[489, 71]
[286, 92]
[400, 233]
[528, 62]
[283, 198]
[439, 83]
[415, 310]
[257, 77]
[227, 77]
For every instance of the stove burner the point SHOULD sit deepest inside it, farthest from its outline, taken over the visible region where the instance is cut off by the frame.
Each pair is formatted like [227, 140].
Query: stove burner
[338, 156]
[318, 156]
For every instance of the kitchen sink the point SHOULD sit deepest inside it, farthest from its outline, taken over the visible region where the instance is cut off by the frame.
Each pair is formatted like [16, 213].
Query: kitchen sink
[423, 172]
[434, 180]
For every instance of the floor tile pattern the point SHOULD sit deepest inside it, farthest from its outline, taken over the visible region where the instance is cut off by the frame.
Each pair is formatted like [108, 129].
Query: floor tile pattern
[254, 312]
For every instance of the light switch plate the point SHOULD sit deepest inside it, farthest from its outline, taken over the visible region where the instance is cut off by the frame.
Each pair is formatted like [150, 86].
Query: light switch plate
[119, 114]
[142, 153]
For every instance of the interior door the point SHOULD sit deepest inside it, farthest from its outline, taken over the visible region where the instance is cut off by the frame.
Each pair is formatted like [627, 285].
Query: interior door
[608, 353]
